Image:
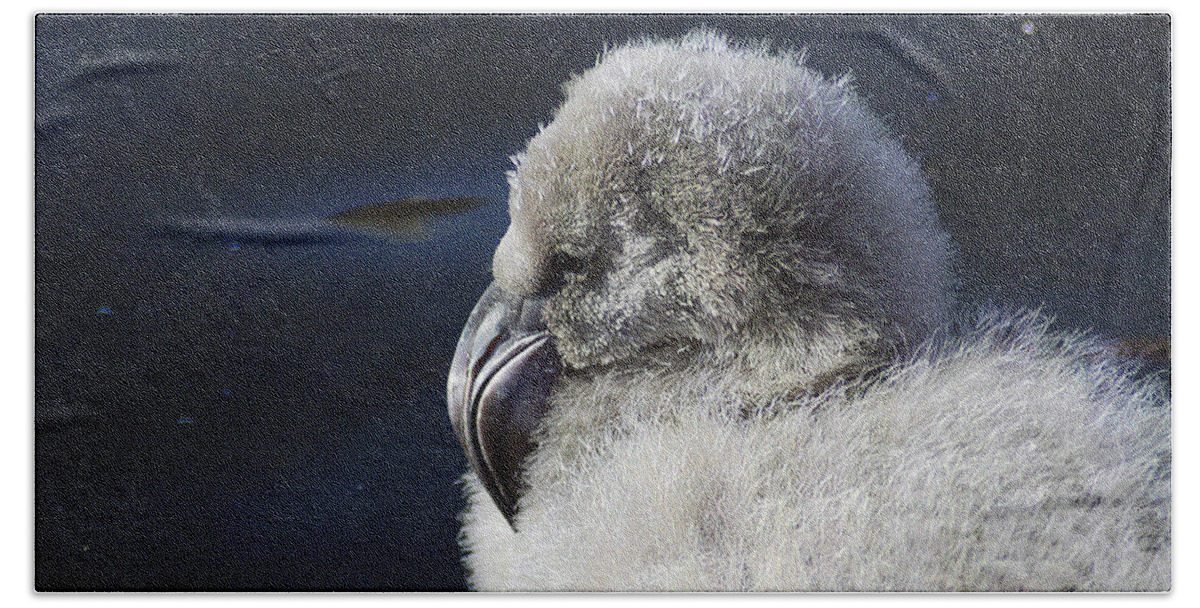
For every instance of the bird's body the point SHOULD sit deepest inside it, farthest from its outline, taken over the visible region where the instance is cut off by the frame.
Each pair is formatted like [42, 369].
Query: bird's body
[729, 284]
[1009, 460]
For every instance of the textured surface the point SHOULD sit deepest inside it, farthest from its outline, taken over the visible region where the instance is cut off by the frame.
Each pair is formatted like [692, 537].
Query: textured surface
[248, 411]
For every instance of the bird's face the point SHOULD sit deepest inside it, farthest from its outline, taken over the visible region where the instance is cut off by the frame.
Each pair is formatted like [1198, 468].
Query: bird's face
[683, 198]
[586, 277]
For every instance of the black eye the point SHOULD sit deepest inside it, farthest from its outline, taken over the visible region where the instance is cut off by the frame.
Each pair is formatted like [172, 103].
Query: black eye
[562, 266]
[567, 264]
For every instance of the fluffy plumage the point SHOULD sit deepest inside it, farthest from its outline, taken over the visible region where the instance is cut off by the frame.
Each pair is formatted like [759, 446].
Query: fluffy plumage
[739, 266]
[695, 191]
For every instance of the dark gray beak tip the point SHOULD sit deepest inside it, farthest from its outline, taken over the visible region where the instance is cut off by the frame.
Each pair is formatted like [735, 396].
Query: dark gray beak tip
[498, 389]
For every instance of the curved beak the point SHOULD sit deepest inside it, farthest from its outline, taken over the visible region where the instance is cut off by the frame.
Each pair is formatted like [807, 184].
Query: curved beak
[498, 389]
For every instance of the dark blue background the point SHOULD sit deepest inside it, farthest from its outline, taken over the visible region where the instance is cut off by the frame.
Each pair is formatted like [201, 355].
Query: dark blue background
[218, 412]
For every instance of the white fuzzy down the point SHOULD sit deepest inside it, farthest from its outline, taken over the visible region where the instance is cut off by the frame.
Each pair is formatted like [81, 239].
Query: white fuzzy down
[1012, 460]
